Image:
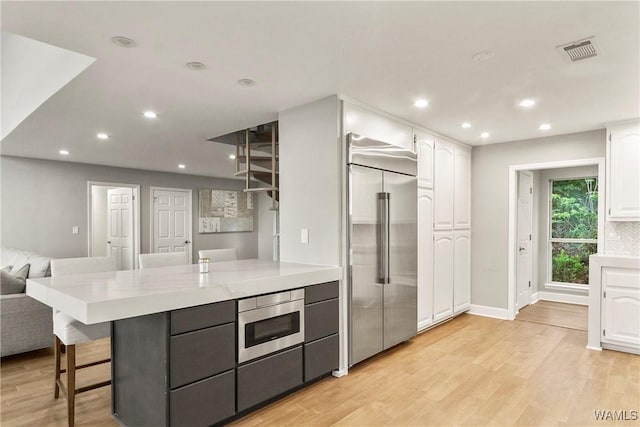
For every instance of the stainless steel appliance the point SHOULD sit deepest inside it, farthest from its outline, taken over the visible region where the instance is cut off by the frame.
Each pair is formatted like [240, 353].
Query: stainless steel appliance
[382, 240]
[270, 323]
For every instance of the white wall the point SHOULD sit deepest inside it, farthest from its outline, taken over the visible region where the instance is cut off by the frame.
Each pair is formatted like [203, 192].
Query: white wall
[490, 206]
[311, 182]
[541, 208]
[43, 199]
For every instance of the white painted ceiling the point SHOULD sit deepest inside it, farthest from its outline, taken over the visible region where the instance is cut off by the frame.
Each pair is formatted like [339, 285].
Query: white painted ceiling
[384, 54]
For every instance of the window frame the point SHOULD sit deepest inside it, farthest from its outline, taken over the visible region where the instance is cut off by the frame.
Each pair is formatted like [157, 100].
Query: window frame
[551, 240]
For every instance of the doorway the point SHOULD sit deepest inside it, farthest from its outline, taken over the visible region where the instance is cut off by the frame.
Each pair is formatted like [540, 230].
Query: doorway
[525, 242]
[515, 235]
[171, 221]
[114, 222]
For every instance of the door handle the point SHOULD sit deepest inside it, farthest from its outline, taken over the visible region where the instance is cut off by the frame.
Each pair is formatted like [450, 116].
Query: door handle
[186, 242]
[522, 249]
[383, 233]
[108, 242]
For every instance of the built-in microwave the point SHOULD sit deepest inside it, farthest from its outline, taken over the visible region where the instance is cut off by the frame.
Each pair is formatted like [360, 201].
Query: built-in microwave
[269, 323]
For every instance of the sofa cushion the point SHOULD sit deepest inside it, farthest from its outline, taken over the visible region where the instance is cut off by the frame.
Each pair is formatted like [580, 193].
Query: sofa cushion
[18, 258]
[14, 283]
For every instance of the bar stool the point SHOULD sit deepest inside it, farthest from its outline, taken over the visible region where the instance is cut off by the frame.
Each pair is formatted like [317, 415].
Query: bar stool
[163, 259]
[69, 331]
[217, 255]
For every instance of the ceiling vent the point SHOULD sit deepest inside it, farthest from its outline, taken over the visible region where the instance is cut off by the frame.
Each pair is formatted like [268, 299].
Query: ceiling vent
[579, 50]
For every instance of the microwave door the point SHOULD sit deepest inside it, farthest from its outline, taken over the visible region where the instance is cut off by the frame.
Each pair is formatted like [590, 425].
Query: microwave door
[400, 293]
[365, 292]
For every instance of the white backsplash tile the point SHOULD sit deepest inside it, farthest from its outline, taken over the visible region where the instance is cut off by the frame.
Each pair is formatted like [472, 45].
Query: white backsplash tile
[622, 238]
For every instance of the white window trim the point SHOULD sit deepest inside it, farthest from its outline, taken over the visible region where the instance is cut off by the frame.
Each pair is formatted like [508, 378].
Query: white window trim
[564, 286]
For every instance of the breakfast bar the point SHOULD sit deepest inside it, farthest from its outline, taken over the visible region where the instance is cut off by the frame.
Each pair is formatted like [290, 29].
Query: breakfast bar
[191, 348]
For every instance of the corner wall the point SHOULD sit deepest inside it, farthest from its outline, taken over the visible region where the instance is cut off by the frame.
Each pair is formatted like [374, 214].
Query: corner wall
[490, 203]
[43, 199]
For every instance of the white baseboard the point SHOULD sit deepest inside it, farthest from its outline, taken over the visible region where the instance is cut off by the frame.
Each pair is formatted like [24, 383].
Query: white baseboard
[424, 325]
[486, 311]
[566, 298]
[340, 372]
[535, 298]
[594, 348]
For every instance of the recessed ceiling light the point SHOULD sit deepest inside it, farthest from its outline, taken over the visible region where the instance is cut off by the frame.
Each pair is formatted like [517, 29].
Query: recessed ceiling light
[123, 41]
[527, 103]
[466, 125]
[181, 166]
[483, 56]
[421, 103]
[232, 156]
[545, 126]
[150, 114]
[246, 82]
[195, 65]
[102, 136]
[64, 152]
[484, 135]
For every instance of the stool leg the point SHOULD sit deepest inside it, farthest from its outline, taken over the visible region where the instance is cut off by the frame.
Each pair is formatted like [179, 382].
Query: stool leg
[71, 383]
[56, 349]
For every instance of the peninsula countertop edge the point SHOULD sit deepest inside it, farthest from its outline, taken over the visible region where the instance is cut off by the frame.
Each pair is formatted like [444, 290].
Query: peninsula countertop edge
[102, 297]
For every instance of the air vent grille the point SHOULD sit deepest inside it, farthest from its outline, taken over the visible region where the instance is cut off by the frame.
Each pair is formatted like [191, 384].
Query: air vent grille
[579, 50]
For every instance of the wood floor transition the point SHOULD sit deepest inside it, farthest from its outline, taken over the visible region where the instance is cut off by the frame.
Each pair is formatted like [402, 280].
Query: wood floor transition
[470, 371]
[551, 313]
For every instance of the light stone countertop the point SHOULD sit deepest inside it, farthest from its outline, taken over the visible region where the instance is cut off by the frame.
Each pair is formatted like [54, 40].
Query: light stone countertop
[100, 297]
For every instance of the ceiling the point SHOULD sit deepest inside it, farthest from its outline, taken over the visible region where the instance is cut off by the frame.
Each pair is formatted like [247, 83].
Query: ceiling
[385, 54]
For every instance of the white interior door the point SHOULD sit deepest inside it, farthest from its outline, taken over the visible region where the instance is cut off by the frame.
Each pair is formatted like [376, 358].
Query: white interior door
[120, 226]
[523, 268]
[171, 221]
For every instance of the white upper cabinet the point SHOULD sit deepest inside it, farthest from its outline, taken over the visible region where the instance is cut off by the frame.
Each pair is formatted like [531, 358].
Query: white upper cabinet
[425, 258]
[443, 185]
[623, 172]
[424, 149]
[462, 186]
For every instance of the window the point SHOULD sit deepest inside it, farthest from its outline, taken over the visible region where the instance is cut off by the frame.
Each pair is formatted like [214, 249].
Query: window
[573, 229]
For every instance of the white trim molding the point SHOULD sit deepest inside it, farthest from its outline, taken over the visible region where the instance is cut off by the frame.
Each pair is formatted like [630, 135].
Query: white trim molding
[535, 297]
[486, 311]
[513, 207]
[565, 298]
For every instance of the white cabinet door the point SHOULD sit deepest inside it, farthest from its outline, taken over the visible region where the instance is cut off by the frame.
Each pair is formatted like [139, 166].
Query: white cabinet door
[424, 146]
[462, 188]
[461, 270]
[425, 258]
[442, 275]
[623, 183]
[443, 186]
[621, 307]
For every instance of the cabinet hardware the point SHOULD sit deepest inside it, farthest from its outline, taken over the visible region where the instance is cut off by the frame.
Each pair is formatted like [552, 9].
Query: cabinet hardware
[604, 332]
[529, 283]
[604, 295]
[609, 137]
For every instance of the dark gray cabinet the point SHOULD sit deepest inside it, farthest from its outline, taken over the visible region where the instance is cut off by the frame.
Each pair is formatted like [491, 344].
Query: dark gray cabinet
[266, 378]
[178, 367]
[321, 319]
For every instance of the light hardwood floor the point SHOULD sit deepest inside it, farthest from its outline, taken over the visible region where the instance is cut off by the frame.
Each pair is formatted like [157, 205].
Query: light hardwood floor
[551, 313]
[470, 371]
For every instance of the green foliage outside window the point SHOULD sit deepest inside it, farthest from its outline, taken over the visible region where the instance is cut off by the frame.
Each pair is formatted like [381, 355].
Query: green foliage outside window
[574, 215]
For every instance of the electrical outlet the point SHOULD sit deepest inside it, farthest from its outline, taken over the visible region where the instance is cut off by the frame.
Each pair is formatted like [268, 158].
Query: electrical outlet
[74, 229]
[304, 235]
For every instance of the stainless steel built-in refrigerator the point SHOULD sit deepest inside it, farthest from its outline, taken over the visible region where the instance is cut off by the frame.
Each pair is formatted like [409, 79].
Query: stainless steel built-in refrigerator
[382, 240]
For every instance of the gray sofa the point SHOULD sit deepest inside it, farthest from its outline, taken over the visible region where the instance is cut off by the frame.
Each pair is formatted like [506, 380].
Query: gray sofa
[25, 324]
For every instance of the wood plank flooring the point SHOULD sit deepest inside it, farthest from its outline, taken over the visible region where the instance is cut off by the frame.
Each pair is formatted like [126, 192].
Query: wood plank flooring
[470, 371]
[551, 313]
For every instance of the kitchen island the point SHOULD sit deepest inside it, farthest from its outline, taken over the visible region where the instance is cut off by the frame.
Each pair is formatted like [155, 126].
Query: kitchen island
[177, 334]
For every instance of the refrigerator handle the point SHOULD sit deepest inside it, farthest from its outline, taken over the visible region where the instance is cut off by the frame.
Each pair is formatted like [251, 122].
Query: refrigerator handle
[387, 232]
[383, 238]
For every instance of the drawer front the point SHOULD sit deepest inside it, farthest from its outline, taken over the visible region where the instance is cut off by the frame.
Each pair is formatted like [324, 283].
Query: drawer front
[321, 357]
[321, 319]
[204, 316]
[200, 354]
[203, 403]
[321, 292]
[261, 380]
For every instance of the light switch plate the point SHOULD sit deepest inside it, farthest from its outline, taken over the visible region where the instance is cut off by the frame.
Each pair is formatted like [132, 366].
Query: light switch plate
[304, 235]
[74, 229]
